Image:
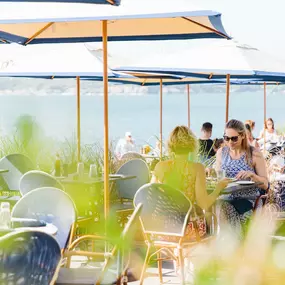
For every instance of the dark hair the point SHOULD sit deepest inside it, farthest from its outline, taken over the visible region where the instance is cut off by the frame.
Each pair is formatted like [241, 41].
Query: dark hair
[218, 143]
[207, 127]
[250, 123]
[271, 120]
[248, 127]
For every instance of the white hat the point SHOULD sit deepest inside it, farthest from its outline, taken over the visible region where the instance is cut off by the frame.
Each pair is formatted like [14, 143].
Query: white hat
[128, 134]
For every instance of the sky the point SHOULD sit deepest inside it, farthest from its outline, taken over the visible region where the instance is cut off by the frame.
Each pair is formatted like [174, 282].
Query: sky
[259, 23]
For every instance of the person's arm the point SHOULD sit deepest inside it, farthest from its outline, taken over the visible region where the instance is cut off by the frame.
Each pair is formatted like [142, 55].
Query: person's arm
[260, 169]
[203, 199]
[218, 159]
[261, 135]
[118, 149]
[157, 174]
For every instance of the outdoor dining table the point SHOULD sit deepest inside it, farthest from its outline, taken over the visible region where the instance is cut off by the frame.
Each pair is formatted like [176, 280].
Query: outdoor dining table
[234, 187]
[87, 192]
[47, 228]
[86, 180]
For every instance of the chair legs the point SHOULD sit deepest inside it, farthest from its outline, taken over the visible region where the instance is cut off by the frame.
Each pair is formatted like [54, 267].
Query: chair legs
[146, 261]
[181, 263]
[159, 265]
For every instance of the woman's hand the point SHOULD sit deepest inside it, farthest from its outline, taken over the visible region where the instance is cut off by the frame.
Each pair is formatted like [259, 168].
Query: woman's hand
[242, 175]
[222, 184]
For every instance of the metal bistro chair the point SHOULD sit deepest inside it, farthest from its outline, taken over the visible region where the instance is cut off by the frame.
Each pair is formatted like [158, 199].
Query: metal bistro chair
[17, 164]
[131, 155]
[164, 219]
[37, 179]
[91, 276]
[28, 257]
[126, 189]
[52, 206]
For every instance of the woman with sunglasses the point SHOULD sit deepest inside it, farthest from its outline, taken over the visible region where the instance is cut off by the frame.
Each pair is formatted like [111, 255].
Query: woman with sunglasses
[241, 161]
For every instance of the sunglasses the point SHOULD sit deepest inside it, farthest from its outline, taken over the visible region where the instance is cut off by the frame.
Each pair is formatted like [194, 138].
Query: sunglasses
[233, 139]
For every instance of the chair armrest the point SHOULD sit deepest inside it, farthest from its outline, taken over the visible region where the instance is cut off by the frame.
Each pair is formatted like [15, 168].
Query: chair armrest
[83, 220]
[258, 199]
[87, 237]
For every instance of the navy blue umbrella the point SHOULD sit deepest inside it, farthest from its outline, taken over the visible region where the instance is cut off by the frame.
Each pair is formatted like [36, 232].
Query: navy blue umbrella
[110, 2]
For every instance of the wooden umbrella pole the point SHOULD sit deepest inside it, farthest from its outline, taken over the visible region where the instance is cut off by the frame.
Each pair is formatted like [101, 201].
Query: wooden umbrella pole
[228, 96]
[106, 121]
[78, 123]
[264, 116]
[160, 117]
[188, 104]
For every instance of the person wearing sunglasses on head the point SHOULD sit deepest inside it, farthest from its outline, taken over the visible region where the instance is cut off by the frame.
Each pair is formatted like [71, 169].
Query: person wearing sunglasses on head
[244, 162]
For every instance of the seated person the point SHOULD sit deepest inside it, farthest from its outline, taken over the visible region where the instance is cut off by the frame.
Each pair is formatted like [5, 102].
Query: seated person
[250, 138]
[186, 176]
[125, 145]
[241, 161]
[268, 134]
[206, 144]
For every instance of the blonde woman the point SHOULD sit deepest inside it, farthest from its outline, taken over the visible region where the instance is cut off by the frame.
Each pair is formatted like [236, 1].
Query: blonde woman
[186, 176]
[240, 160]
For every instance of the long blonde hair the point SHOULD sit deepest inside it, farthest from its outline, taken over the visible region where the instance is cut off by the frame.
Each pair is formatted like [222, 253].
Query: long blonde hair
[182, 141]
[239, 127]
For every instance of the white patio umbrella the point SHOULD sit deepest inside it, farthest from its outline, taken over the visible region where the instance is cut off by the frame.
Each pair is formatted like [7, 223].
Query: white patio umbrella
[53, 61]
[222, 59]
[132, 20]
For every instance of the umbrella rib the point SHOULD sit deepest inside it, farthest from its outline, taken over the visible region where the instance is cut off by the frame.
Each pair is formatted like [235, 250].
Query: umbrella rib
[143, 83]
[206, 27]
[38, 32]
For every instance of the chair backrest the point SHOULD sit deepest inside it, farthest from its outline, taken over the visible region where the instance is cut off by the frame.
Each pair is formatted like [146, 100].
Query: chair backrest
[128, 188]
[37, 179]
[28, 257]
[17, 164]
[165, 210]
[131, 155]
[50, 205]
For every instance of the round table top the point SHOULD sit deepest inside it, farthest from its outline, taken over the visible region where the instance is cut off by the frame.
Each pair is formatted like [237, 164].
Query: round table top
[48, 229]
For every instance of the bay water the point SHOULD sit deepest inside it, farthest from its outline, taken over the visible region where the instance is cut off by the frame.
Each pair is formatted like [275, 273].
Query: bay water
[138, 114]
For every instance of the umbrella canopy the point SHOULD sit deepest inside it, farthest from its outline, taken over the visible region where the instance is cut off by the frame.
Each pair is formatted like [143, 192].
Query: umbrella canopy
[51, 61]
[112, 2]
[132, 20]
[215, 61]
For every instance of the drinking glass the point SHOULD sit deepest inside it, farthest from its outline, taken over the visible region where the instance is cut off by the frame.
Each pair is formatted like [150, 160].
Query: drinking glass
[80, 169]
[221, 174]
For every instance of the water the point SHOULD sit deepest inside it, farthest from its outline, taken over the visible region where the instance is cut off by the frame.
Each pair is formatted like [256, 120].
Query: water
[138, 114]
